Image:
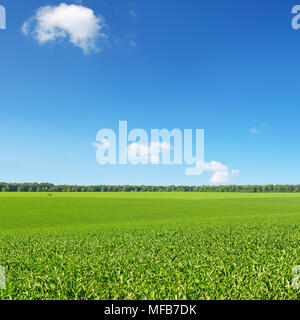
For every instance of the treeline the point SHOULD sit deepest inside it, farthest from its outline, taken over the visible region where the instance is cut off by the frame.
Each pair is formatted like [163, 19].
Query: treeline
[48, 187]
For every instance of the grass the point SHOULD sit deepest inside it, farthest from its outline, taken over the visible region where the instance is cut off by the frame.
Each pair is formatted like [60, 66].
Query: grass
[149, 245]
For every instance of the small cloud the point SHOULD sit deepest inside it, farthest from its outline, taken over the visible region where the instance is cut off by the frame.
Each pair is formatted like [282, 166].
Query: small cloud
[132, 9]
[74, 22]
[133, 43]
[215, 166]
[253, 130]
[104, 143]
[220, 171]
[133, 13]
[70, 154]
[131, 38]
[235, 173]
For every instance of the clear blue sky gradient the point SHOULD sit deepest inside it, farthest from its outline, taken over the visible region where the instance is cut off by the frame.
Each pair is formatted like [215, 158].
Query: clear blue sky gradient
[225, 66]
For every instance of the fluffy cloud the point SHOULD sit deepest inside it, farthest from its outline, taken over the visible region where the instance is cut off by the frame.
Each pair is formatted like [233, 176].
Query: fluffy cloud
[215, 166]
[76, 23]
[138, 151]
[220, 178]
[220, 171]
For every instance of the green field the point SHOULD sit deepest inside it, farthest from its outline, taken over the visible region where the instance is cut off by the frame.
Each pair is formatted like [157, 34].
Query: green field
[149, 245]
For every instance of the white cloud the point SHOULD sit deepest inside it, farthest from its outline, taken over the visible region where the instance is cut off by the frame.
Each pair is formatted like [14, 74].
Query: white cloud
[145, 152]
[77, 23]
[235, 173]
[215, 166]
[138, 152]
[132, 39]
[133, 13]
[133, 43]
[253, 130]
[220, 178]
[220, 171]
[104, 143]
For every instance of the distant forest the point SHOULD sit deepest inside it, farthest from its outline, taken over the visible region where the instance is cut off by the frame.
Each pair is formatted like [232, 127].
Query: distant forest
[48, 187]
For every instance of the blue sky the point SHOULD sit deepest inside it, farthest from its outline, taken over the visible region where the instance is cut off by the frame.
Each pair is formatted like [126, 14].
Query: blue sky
[224, 66]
